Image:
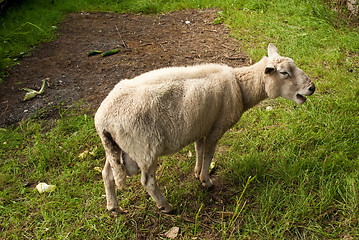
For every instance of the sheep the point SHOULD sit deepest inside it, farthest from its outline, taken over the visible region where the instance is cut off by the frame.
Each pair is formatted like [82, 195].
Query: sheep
[161, 111]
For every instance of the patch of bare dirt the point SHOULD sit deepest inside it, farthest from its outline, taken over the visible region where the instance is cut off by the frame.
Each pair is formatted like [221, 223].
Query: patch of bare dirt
[146, 42]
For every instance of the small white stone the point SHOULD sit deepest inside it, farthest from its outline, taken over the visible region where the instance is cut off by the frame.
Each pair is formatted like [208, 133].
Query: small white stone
[43, 187]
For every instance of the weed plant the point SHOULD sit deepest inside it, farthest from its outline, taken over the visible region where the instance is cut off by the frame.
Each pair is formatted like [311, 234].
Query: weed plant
[291, 172]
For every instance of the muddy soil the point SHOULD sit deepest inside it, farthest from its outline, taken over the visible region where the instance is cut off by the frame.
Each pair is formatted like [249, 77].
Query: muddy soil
[146, 42]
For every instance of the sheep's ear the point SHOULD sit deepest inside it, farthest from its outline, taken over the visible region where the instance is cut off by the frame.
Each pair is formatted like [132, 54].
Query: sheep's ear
[272, 51]
[269, 69]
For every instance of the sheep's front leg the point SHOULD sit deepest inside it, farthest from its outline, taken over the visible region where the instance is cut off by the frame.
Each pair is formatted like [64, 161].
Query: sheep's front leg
[208, 152]
[109, 183]
[199, 157]
[148, 180]
[204, 153]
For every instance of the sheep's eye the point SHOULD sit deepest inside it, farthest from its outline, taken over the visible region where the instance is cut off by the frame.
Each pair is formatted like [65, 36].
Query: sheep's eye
[285, 73]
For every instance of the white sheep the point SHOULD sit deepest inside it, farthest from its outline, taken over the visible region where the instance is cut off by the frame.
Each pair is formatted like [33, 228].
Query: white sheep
[161, 111]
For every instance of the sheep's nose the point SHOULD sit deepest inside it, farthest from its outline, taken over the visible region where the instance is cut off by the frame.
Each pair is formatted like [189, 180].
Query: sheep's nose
[312, 89]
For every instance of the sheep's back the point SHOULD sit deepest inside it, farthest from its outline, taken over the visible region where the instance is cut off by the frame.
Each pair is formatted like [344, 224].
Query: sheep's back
[167, 112]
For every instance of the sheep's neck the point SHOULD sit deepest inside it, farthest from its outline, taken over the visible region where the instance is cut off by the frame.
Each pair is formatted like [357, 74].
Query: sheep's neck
[251, 82]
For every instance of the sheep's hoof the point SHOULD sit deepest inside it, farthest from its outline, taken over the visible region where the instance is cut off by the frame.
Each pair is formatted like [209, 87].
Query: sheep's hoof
[114, 213]
[207, 184]
[166, 209]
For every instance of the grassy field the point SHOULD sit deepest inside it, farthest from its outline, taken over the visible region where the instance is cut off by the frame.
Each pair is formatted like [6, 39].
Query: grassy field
[288, 173]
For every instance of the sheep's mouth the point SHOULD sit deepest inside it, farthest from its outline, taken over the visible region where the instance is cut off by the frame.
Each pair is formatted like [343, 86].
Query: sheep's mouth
[301, 97]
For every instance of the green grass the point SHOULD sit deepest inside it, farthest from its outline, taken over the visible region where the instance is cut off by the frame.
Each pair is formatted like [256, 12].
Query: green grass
[288, 173]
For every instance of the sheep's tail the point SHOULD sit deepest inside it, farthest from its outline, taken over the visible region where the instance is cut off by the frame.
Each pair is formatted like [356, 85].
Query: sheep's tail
[124, 159]
[110, 143]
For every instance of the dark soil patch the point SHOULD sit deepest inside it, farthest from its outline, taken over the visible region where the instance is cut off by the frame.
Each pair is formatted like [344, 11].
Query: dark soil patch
[145, 43]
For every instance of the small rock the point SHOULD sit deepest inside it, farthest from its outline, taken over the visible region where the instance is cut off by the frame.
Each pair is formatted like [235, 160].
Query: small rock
[43, 187]
[172, 233]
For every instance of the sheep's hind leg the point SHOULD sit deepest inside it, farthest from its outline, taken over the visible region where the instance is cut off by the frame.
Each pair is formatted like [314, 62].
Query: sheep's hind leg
[109, 182]
[118, 170]
[148, 180]
[114, 173]
[113, 157]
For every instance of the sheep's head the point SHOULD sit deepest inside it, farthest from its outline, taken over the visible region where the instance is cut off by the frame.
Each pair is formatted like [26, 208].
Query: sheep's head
[285, 79]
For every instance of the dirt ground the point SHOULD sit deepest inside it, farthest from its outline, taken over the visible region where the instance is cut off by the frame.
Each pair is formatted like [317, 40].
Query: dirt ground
[145, 43]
